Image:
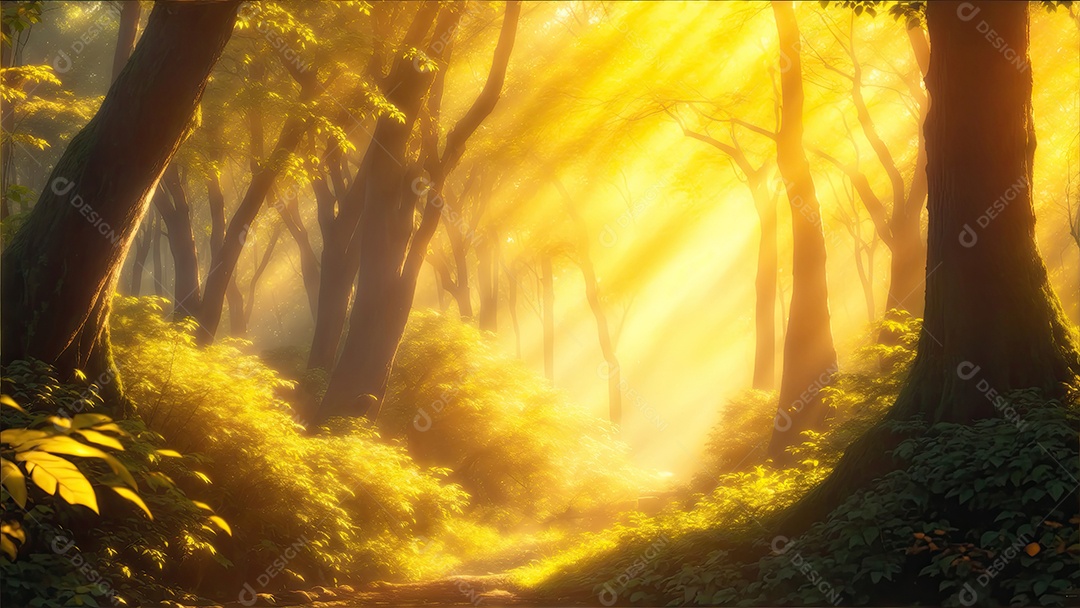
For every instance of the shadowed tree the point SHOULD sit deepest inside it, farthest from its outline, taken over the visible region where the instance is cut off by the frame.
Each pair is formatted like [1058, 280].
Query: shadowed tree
[392, 248]
[62, 267]
[992, 318]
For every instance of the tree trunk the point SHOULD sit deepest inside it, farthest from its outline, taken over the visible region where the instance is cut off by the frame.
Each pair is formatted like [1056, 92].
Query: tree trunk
[989, 303]
[267, 255]
[125, 35]
[171, 202]
[392, 250]
[993, 322]
[487, 281]
[547, 289]
[809, 355]
[309, 262]
[159, 265]
[223, 263]
[143, 240]
[765, 292]
[511, 303]
[62, 267]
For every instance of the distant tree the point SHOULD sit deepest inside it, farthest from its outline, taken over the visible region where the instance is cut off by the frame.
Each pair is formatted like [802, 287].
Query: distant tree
[809, 355]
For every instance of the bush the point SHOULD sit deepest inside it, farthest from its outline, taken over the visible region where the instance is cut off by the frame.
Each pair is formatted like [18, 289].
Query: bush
[516, 445]
[339, 504]
[143, 546]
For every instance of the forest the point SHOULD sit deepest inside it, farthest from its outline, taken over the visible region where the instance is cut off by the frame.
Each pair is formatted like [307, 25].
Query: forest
[539, 303]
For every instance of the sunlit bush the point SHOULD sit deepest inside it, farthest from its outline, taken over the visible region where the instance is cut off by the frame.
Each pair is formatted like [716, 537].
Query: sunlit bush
[350, 503]
[520, 449]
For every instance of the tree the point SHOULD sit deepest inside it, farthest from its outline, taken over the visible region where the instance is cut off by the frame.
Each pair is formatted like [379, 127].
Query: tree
[392, 249]
[993, 323]
[58, 303]
[757, 180]
[125, 35]
[809, 355]
[898, 225]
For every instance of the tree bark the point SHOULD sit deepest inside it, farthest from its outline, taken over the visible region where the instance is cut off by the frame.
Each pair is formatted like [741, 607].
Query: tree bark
[993, 322]
[809, 355]
[62, 267]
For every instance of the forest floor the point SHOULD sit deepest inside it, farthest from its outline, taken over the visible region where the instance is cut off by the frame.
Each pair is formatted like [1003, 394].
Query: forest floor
[490, 590]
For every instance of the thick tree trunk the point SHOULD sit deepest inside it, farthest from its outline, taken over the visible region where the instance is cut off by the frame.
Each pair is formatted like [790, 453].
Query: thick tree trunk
[992, 323]
[125, 35]
[989, 303]
[547, 310]
[62, 267]
[392, 250]
[809, 355]
[171, 202]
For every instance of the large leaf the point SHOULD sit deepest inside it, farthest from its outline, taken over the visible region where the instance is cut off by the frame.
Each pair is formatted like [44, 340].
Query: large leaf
[69, 446]
[54, 474]
[100, 439]
[14, 481]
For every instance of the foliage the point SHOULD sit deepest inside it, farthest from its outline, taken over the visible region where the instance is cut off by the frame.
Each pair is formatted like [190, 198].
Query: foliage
[351, 502]
[515, 444]
[978, 514]
[67, 556]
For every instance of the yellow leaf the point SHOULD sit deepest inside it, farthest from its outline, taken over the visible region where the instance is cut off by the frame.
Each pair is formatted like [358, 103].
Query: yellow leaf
[82, 421]
[14, 481]
[52, 473]
[132, 496]
[202, 505]
[169, 453]
[8, 401]
[219, 522]
[8, 547]
[67, 445]
[64, 423]
[100, 439]
[17, 437]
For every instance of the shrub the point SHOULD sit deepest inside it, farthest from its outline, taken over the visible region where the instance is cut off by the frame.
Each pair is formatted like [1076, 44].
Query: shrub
[517, 446]
[149, 532]
[339, 504]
